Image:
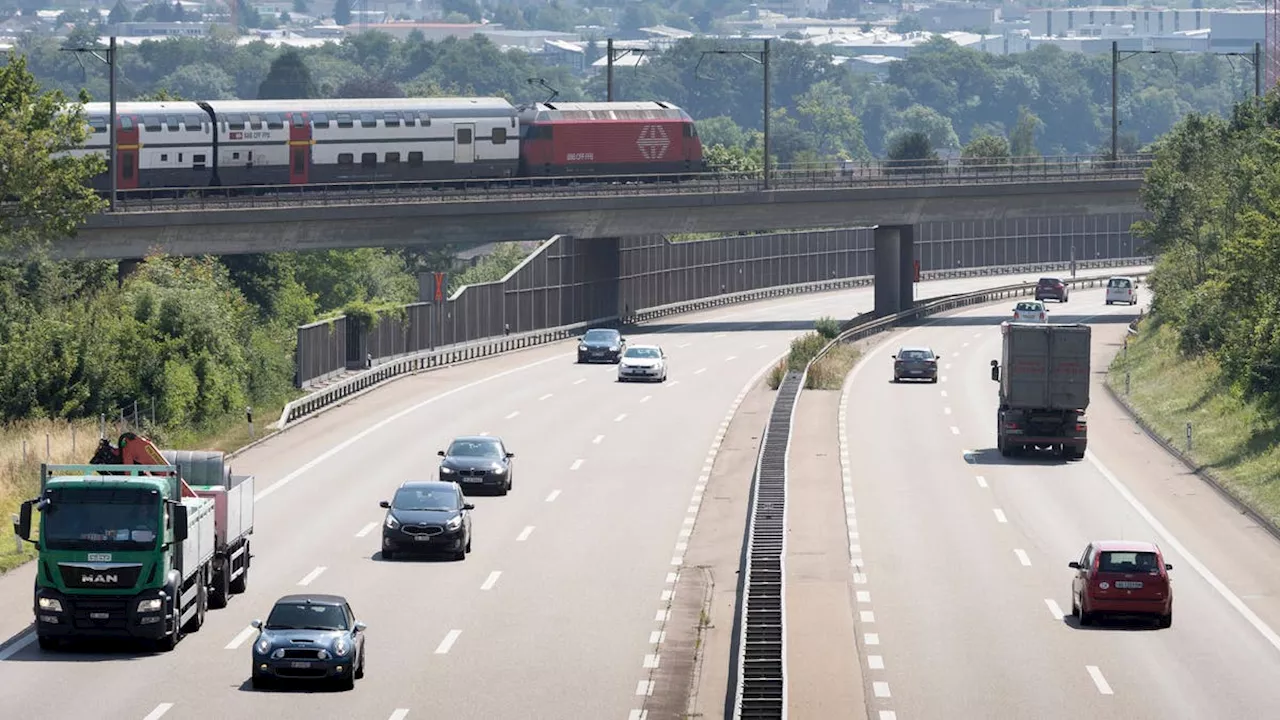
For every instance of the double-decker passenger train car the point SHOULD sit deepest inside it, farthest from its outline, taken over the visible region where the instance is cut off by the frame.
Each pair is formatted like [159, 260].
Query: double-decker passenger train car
[245, 143]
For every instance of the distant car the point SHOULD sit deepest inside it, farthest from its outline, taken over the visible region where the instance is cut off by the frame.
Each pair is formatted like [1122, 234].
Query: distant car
[1122, 577]
[1122, 290]
[1032, 311]
[1052, 288]
[643, 362]
[601, 344]
[917, 363]
[309, 637]
[427, 516]
[477, 461]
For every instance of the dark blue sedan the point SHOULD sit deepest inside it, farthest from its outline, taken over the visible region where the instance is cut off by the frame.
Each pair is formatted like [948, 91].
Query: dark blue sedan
[309, 637]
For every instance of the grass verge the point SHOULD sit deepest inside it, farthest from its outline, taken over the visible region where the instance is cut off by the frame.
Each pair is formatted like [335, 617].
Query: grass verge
[1235, 439]
[829, 372]
[73, 443]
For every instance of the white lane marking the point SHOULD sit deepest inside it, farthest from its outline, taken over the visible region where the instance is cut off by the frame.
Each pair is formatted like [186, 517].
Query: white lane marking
[881, 689]
[677, 560]
[982, 482]
[597, 440]
[644, 687]
[448, 642]
[159, 712]
[875, 662]
[684, 345]
[240, 637]
[651, 661]
[761, 347]
[888, 715]
[1054, 608]
[720, 335]
[524, 534]
[311, 576]
[672, 577]
[324, 457]
[645, 398]
[977, 335]
[955, 430]
[867, 616]
[944, 393]
[620, 418]
[946, 411]
[871, 639]
[1022, 556]
[657, 636]
[948, 366]
[864, 596]
[579, 381]
[942, 379]
[699, 371]
[662, 616]
[513, 414]
[638, 715]
[731, 357]
[673, 383]
[553, 495]
[492, 580]
[484, 434]
[1098, 680]
[860, 578]
[964, 345]
[1232, 599]
[667, 595]
[999, 515]
[399, 714]
[544, 397]
[576, 464]
[18, 645]
[367, 529]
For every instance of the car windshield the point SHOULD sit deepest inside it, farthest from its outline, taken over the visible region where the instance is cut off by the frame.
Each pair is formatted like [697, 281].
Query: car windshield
[100, 519]
[1119, 283]
[425, 499]
[643, 352]
[1049, 281]
[915, 355]
[475, 448]
[1128, 562]
[600, 336]
[306, 616]
[1028, 306]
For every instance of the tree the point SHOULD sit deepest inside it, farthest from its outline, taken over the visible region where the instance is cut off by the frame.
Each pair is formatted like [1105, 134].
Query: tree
[288, 78]
[492, 268]
[828, 113]
[368, 87]
[911, 150]
[986, 150]
[932, 123]
[120, 13]
[47, 190]
[1022, 141]
[342, 12]
[302, 7]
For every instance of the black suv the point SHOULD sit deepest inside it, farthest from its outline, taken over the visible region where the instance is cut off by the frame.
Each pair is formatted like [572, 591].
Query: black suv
[601, 344]
[1051, 288]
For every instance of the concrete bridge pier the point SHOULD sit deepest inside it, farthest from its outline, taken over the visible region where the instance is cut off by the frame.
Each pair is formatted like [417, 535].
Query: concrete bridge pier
[894, 268]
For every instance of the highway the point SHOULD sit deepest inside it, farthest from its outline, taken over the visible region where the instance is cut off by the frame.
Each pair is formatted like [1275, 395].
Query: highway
[961, 555]
[558, 610]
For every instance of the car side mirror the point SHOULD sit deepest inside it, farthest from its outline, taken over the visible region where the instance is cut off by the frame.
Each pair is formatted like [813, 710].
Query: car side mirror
[22, 526]
[360, 627]
[1168, 566]
[440, 453]
[937, 357]
[995, 371]
[468, 506]
[384, 504]
[894, 356]
[255, 624]
[511, 455]
[1074, 564]
[180, 528]
[622, 340]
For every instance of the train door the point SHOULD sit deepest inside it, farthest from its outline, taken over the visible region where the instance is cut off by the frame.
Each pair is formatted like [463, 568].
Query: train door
[464, 147]
[299, 149]
[127, 145]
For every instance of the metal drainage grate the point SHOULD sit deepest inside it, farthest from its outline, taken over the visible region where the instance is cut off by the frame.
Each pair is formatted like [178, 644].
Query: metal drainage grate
[761, 683]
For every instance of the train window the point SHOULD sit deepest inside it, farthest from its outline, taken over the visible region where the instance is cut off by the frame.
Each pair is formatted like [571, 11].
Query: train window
[164, 157]
[235, 122]
[391, 119]
[687, 130]
[344, 120]
[499, 136]
[151, 123]
[172, 123]
[415, 159]
[345, 159]
[369, 159]
[179, 157]
[320, 120]
[126, 169]
[275, 122]
[368, 120]
[393, 158]
[299, 161]
[98, 124]
[194, 123]
[235, 156]
[425, 119]
[197, 160]
[464, 136]
[298, 120]
[126, 122]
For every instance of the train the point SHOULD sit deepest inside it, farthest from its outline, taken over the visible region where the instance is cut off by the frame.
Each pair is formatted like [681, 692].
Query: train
[239, 143]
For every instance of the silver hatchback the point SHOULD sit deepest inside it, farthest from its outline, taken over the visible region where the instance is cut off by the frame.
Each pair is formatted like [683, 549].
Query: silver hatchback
[915, 363]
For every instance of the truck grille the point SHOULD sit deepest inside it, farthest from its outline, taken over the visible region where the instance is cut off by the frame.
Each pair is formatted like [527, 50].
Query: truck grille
[107, 577]
[101, 613]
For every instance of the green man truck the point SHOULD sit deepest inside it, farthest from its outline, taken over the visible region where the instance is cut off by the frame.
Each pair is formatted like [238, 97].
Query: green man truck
[1044, 388]
[137, 551]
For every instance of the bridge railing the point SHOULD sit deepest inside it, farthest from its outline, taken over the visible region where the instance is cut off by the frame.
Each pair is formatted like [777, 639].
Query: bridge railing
[821, 176]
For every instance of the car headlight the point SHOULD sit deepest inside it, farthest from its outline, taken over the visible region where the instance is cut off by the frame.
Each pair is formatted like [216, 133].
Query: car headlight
[614, 348]
[152, 605]
[341, 647]
[498, 470]
[263, 646]
[392, 523]
[51, 604]
[454, 523]
[279, 653]
[324, 654]
[446, 471]
[582, 348]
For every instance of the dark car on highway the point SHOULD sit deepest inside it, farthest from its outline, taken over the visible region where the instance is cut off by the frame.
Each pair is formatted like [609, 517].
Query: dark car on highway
[477, 462]
[1052, 288]
[427, 516]
[1122, 577]
[601, 345]
[309, 637]
[916, 363]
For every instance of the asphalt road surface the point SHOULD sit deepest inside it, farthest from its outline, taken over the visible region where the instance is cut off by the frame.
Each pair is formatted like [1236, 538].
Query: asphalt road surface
[558, 611]
[963, 579]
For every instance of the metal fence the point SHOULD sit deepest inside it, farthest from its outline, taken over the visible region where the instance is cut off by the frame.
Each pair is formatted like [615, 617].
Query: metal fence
[573, 280]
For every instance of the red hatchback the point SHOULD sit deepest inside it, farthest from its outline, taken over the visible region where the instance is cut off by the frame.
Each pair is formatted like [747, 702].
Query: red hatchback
[1122, 577]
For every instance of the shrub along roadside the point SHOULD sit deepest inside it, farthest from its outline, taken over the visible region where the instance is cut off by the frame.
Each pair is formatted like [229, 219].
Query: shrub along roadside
[1235, 437]
[829, 372]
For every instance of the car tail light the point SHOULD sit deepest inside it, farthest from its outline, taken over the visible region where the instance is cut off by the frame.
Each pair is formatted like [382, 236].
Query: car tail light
[1079, 427]
[1011, 425]
[1041, 316]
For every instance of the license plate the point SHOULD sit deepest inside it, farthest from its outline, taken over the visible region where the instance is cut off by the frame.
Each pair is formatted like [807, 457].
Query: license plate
[472, 479]
[300, 665]
[100, 616]
[421, 538]
[1128, 585]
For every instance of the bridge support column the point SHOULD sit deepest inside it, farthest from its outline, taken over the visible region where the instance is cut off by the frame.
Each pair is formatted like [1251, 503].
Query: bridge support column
[125, 268]
[894, 268]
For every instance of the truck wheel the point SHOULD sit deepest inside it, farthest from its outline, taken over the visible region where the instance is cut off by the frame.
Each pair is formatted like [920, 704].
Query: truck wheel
[241, 583]
[221, 593]
[202, 605]
[170, 641]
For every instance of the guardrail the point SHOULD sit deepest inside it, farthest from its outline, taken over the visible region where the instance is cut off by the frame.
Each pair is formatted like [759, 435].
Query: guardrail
[488, 347]
[871, 174]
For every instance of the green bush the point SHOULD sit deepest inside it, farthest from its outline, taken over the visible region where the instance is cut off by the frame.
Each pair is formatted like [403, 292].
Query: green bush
[803, 349]
[827, 327]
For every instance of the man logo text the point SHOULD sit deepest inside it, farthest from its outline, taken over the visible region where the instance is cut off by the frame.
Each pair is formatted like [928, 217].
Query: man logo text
[100, 579]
